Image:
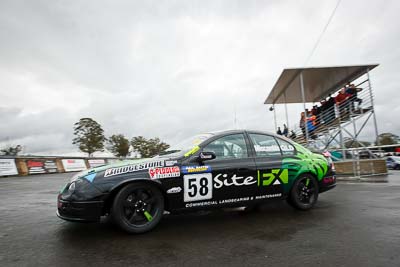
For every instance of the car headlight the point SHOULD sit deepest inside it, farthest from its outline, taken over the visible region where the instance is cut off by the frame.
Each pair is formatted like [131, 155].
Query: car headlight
[71, 188]
[75, 177]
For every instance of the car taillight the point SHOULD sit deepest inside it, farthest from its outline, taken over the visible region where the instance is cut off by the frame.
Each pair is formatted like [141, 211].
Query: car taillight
[332, 166]
[328, 155]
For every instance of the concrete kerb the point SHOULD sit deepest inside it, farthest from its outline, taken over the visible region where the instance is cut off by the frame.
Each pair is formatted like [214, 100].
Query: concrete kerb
[377, 178]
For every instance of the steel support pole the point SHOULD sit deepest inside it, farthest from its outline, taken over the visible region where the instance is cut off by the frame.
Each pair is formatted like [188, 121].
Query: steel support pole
[357, 151]
[373, 108]
[287, 118]
[276, 128]
[303, 96]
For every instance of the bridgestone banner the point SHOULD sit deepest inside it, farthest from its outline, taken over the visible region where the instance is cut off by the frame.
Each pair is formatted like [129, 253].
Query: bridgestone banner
[96, 162]
[73, 165]
[41, 166]
[8, 167]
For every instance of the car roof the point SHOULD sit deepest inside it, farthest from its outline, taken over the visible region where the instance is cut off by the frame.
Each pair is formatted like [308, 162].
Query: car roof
[225, 132]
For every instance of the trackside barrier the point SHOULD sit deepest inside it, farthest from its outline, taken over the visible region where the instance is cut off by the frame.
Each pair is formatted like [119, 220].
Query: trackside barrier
[367, 167]
[22, 166]
[364, 161]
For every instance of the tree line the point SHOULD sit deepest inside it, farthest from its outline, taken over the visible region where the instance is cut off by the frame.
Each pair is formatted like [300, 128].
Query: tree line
[89, 137]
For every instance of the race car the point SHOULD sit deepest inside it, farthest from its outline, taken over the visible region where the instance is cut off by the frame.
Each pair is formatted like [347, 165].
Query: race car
[393, 162]
[237, 168]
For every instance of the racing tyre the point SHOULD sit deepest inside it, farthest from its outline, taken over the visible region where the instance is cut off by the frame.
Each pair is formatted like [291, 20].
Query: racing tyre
[138, 207]
[304, 192]
[397, 167]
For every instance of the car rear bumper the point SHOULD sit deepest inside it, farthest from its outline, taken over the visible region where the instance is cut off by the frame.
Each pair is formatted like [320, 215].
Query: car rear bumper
[327, 183]
[85, 211]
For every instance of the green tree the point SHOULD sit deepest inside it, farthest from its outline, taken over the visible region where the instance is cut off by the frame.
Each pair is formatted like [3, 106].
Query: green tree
[148, 147]
[118, 145]
[89, 136]
[11, 151]
[387, 139]
[351, 143]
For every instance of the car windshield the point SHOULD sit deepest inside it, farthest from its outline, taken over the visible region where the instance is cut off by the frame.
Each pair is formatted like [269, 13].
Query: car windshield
[184, 146]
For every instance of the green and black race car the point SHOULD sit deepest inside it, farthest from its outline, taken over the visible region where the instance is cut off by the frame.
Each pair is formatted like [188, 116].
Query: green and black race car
[225, 169]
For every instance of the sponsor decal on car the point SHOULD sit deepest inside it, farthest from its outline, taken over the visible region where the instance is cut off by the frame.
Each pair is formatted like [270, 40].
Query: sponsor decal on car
[174, 190]
[170, 162]
[273, 176]
[133, 168]
[272, 148]
[166, 172]
[192, 151]
[199, 186]
[195, 169]
[221, 180]
[205, 156]
[230, 200]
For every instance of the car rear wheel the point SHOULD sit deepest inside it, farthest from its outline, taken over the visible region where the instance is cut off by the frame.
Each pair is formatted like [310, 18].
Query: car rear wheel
[304, 192]
[138, 207]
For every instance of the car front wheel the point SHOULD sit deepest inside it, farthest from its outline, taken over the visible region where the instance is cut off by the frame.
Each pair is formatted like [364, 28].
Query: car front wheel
[304, 192]
[138, 207]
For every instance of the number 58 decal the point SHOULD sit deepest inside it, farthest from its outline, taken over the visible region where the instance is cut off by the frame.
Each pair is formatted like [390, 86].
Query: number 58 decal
[197, 187]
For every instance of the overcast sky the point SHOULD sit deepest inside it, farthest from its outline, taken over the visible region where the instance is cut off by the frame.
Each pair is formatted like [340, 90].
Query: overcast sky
[175, 68]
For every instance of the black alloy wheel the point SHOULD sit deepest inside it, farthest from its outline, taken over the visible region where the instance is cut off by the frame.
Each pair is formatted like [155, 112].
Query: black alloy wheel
[138, 207]
[304, 192]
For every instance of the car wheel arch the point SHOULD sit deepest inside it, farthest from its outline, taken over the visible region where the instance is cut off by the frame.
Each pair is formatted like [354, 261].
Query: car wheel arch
[304, 173]
[115, 189]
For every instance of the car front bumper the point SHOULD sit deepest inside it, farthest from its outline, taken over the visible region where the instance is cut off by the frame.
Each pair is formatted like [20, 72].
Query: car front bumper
[84, 211]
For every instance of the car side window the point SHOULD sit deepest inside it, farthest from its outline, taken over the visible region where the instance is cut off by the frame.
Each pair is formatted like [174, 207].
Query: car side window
[228, 147]
[265, 145]
[286, 147]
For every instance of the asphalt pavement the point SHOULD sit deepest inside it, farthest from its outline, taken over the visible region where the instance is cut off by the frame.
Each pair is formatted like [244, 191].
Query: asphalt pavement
[355, 224]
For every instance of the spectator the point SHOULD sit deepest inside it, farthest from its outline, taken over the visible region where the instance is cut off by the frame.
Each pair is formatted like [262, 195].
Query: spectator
[292, 135]
[330, 109]
[303, 123]
[352, 91]
[285, 130]
[316, 112]
[323, 112]
[342, 101]
[311, 125]
[279, 131]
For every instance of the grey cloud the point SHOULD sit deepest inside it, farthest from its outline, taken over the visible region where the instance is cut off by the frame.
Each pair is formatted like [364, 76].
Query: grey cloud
[175, 68]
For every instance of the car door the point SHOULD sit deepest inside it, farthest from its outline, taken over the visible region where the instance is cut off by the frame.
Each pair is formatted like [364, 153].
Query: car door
[271, 177]
[227, 179]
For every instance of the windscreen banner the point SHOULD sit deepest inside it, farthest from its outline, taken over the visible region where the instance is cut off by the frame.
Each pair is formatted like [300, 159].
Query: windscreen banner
[41, 166]
[8, 167]
[96, 162]
[112, 161]
[73, 165]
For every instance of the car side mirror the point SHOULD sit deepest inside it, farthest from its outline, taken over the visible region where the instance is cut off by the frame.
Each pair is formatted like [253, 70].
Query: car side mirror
[207, 155]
